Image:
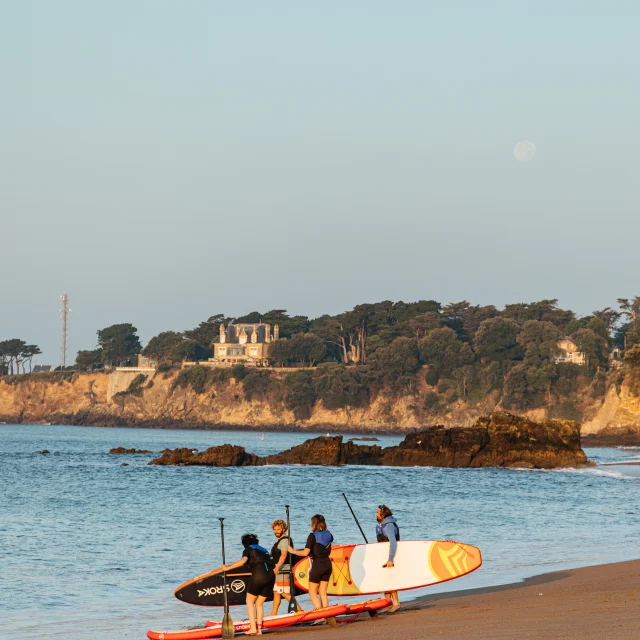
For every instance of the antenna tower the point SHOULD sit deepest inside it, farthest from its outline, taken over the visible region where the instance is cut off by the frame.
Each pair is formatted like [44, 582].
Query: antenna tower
[64, 314]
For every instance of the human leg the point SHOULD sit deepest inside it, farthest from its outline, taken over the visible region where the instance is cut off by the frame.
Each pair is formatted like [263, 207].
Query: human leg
[259, 613]
[324, 586]
[251, 613]
[313, 594]
[276, 603]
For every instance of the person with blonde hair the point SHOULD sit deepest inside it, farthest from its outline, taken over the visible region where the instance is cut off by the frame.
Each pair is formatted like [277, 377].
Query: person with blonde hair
[282, 566]
[318, 548]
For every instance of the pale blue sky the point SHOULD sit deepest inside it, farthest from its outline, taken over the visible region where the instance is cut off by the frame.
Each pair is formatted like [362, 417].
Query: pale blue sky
[162, 160]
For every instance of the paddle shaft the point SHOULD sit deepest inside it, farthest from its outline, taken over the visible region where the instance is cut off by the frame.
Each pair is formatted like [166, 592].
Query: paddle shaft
[293, 605]
[228, 630]
[354, 517]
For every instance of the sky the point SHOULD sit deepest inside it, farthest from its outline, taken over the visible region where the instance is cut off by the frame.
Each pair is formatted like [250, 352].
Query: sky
[164, 161]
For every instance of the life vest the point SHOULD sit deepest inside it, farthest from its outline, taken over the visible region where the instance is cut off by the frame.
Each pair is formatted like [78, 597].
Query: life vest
[322, 548]
[380, 535]
[259, 555]
[276, 552]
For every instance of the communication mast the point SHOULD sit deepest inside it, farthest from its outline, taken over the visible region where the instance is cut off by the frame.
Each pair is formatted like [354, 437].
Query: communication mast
[64, 314]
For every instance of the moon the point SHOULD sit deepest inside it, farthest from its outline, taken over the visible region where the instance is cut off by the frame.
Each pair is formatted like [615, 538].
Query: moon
[524, 151]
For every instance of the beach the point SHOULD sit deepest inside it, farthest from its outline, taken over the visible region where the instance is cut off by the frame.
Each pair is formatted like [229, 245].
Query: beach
[600, 602]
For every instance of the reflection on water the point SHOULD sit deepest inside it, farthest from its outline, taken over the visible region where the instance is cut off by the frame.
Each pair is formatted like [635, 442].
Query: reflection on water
[88, 545]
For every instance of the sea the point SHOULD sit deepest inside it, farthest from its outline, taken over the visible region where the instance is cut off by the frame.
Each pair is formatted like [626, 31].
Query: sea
[93, 545]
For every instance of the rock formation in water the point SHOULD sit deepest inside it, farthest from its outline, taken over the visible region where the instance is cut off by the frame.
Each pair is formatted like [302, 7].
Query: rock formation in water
[498, 440]
[121, 450]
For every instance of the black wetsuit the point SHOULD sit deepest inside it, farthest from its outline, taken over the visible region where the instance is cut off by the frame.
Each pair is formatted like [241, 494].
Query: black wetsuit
[319, 544]
[262, 576]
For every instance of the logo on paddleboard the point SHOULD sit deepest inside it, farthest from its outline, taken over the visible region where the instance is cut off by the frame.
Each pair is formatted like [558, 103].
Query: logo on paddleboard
[237, 586]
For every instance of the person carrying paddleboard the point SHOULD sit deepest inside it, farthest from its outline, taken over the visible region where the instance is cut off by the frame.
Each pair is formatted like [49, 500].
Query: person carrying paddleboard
[282, 568]
[387, 530]
[318, 548]
[261, 582]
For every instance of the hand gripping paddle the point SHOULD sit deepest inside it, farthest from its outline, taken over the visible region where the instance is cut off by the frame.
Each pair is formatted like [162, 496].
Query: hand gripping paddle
[228, 630]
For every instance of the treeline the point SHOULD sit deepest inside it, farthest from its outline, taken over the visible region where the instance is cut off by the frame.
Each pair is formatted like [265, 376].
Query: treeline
[462, 351]
[16, 354]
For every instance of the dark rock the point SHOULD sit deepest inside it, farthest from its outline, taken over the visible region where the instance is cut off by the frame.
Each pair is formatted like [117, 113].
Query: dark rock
[325, 450]
[498, 440]
[224, 456]
[119, 450]
[365, 439]
[43, 451]
[124, 464]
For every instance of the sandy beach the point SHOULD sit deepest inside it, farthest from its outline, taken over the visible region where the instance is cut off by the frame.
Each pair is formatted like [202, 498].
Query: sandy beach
[601, 602]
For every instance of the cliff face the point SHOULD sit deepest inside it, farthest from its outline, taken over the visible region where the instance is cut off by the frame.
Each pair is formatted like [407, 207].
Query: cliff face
[498, 440]
[107, 399]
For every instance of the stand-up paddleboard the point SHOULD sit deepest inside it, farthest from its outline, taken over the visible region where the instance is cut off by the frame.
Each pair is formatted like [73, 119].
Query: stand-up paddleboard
[358, 568]
[214, 627]
[370, 605]
[207, 590]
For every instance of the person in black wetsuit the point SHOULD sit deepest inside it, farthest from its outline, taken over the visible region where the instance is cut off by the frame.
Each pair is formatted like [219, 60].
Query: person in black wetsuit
[260, 585]
[318, 548]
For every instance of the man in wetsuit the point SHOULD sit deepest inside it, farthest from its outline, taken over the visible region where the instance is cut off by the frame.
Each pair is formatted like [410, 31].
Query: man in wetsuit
[387, 530]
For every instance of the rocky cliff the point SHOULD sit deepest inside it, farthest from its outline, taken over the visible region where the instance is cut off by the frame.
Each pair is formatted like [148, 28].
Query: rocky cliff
[154, 400]
[498, 440]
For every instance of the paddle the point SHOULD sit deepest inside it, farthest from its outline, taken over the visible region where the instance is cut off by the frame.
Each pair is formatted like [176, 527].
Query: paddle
[228, 630]
[293, 605]
[354, 517]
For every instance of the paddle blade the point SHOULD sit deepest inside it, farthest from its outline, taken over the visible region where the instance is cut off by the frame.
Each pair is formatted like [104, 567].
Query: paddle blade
[228, 630]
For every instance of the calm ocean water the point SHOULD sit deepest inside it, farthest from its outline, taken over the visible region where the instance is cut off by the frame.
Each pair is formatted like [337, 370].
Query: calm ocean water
[90, 548]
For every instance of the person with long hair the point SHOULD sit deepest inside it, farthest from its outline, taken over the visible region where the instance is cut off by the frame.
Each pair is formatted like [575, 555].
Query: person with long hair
[261, 582]
[318, 548]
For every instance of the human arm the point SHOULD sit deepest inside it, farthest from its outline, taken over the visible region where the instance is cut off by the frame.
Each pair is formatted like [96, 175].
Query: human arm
[307, 549]
[228, 567]
[389, 530]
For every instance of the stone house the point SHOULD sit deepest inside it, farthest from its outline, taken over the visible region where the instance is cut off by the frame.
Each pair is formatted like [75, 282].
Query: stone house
[569, 352]
[244, 344]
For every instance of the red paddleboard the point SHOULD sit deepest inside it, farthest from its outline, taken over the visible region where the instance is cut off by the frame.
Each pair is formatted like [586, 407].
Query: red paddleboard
[214, 627]
[370, 605]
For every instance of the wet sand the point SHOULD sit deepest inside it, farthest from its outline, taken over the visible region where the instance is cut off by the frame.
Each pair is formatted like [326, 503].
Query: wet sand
[599, 603]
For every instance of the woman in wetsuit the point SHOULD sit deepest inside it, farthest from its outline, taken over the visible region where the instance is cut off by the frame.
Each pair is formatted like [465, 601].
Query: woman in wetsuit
[318, 548]
[261, 582]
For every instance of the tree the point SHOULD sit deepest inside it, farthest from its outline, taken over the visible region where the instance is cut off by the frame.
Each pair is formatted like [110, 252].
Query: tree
[280, 352]
[166, 347]
[631, 330]
[420, 325]
[307, 348]
[396, 365]
[497, 339]
[207, 332]
[119, 343]
[528, 387]
[594, 347]
[89, 359]
[539, 339]
[339, 387]
[28, 352]
[543, 310]
[632, 357]
[442, 350]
